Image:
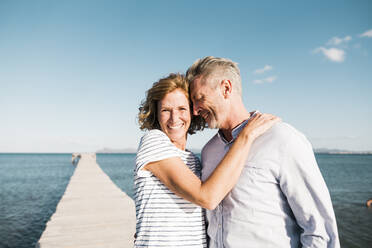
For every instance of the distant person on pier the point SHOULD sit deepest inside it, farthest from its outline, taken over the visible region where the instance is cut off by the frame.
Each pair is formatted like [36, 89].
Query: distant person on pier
[168, 190]
[281, 199]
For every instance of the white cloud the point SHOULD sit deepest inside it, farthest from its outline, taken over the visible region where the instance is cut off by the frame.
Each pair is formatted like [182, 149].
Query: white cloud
[257, 81]
[367, 33]
[270, 79]
[333, 54]
[262, 70]
[265, 80]
[337, 41]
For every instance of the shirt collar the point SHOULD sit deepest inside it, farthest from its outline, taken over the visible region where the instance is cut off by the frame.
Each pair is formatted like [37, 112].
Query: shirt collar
[236, 130]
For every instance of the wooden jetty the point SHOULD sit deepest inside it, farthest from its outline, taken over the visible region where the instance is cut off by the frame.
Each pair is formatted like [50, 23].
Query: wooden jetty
[92, 213]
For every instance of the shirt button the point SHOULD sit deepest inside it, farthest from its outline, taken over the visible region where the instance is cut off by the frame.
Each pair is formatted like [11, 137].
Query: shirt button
[219, 225]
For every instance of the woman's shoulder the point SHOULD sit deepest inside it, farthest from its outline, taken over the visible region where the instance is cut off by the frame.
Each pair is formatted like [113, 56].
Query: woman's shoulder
[154, 146]
[154, 134]
[155, 140]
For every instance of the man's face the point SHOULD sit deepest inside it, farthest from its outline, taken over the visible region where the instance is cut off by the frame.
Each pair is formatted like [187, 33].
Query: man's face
[207, 102]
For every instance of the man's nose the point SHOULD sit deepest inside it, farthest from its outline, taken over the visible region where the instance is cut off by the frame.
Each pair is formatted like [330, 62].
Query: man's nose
[195, 109]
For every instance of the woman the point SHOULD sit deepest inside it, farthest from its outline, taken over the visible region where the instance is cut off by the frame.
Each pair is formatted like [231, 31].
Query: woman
[167, 185]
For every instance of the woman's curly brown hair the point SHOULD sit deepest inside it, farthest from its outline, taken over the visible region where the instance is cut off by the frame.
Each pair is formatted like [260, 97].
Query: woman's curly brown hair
[148, 116]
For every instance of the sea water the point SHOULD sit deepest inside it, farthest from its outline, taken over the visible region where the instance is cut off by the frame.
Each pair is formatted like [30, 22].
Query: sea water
[31, 186]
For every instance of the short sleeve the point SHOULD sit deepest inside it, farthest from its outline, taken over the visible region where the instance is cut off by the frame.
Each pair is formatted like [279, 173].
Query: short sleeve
[154, 146]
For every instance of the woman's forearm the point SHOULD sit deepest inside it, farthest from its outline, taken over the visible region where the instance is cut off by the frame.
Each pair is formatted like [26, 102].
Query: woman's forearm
[226, 174]
[174, 174]
[228, 171]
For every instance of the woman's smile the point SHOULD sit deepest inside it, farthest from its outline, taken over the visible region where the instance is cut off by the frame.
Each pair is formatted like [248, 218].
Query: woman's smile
[174, 117]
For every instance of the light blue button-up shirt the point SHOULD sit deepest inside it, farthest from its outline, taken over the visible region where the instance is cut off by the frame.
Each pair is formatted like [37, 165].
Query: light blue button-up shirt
[280, 200]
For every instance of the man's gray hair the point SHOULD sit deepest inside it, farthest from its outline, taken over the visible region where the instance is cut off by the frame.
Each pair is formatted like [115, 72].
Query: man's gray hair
[216, 67]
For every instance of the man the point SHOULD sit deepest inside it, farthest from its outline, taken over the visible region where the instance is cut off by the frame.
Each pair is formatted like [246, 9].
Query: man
[281, 199]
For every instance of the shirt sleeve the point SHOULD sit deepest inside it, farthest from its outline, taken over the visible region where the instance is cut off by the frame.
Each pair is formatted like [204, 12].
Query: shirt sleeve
[307, 194]
[154, 146]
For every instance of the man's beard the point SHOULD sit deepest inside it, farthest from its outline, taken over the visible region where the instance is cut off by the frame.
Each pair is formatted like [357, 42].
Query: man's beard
[212, 121]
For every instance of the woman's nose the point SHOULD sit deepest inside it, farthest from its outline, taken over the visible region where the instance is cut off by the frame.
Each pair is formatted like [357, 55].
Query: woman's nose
[174, 115]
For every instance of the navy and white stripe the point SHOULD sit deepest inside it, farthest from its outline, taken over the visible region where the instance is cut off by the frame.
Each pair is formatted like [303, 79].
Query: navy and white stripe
[163, 218]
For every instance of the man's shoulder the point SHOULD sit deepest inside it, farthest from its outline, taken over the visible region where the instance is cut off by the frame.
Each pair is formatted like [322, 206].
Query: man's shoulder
[284, 135]
[283, 131]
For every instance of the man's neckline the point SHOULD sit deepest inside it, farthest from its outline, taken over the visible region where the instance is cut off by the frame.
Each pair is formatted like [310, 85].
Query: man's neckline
[236, 130]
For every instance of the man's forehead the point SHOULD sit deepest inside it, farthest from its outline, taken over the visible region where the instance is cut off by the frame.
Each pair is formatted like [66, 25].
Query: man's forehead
[196, 83]
[195, 87]
[193, 93]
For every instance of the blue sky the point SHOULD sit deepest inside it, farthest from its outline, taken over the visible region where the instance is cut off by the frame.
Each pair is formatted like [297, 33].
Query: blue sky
[73, 73]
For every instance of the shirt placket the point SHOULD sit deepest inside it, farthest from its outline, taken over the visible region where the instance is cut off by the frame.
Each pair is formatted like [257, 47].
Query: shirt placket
[219, 225]
[221, 208]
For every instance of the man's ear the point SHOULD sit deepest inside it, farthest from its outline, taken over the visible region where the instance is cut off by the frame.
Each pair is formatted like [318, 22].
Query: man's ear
[226, 88]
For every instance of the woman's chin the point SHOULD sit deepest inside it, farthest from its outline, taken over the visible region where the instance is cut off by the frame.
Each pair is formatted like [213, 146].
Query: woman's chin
[179, 137]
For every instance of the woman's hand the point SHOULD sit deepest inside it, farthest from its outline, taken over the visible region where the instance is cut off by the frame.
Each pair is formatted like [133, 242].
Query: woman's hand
[259, 124]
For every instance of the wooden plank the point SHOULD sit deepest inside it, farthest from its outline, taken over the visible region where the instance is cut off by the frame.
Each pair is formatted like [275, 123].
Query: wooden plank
[93, 212]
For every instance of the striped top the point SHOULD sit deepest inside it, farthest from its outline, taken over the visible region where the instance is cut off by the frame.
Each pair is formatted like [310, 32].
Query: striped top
[163, 218]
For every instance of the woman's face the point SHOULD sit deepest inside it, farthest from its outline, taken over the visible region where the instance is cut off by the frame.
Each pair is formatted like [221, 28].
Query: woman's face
[174, 117]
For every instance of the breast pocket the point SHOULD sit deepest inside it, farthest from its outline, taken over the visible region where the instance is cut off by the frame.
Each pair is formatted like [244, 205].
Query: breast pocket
[253, 193]
[255, 179]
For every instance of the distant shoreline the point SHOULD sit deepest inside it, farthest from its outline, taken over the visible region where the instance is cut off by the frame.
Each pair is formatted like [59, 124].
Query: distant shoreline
[197, 152]
[338, 151]
[345, 153]
[107, 150]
